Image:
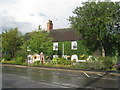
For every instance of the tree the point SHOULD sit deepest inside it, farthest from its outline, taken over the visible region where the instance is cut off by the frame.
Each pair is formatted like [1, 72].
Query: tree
[39, 42]
[11, 42]
[96, 22]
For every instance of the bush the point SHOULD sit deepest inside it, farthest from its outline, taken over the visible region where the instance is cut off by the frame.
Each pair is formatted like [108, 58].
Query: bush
[55, 60]
[37, 62]
[107, 61]
[94, 65]
[24, 64]
[64, 62]
[8, 62]
[61, 61]
[21, 53]
[19, 60]
[6, 57]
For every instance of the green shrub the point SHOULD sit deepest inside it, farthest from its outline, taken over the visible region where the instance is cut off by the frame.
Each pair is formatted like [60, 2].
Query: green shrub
[64, 62]
[8, 62]
[19, 60]
[94, 65]
[24, 64]
[61, 61]
[37, 62]
[107, 61]
[21, 53]
[7, 57]
[55, 60]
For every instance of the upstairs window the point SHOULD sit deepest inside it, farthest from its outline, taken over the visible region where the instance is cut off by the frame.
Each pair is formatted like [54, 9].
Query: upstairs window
[55, 46]
[74, 45]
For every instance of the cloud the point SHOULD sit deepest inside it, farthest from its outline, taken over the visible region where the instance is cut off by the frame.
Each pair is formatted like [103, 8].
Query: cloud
[28, 14]
[7, 1]
[31, 14]
[8, 22]
[41, 14]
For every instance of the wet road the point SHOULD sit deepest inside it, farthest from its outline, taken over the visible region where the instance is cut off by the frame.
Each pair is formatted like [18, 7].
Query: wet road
[17, 77]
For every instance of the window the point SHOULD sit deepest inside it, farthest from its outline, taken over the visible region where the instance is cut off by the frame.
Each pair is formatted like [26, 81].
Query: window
[74, 45]
[55, 46]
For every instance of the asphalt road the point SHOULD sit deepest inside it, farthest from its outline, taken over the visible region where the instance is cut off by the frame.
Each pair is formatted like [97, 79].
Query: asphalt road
[17, 77]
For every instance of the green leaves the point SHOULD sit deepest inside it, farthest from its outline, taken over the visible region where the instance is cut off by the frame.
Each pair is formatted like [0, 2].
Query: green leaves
[11, 41]
[96, 21]
[39, 42]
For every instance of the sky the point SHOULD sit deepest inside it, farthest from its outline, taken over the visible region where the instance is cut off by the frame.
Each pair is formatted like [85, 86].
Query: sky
[28, 14]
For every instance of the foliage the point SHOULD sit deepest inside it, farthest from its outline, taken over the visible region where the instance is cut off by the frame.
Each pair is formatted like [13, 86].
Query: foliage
[8, 62]
[82, 49]
[21, 53]
[96, 22]
[18, 60]
[36, 62]
[107, 61]
[63, 61]
[39, 42]
[83, 57]
[55, 60]
[94, 65]
[11, 42]
[25, 64]
[7, 57]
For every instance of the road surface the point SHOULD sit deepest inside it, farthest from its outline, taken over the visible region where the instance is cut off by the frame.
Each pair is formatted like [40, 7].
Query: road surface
[17, 77]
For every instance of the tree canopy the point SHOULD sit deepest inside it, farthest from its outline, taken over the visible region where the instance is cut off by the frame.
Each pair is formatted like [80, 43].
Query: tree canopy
[11, 42]
[97, 21]
[39, 42]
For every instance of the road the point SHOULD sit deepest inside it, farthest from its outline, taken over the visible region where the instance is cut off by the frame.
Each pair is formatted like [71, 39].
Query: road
[17, 77]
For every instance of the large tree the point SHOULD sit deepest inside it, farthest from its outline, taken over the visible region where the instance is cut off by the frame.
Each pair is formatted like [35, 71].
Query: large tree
[39, 42]
[11, 42]
[96, 21]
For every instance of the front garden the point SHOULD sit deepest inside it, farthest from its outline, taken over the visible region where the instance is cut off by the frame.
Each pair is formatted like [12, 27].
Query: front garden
[101, 63]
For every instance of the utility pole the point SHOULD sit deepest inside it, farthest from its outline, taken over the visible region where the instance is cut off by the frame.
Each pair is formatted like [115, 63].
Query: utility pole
[63, 48]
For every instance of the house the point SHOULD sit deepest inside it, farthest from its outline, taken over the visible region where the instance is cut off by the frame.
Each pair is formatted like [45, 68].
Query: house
[62, 36]
[67, 42]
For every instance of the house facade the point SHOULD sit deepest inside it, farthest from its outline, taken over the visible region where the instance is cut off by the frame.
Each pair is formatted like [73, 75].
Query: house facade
[66, 42]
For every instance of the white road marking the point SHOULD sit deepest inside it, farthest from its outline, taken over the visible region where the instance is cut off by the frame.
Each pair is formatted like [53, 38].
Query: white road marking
[70, 85]
[42, 80]
[86, 74]
[98, 74]
[24, 77]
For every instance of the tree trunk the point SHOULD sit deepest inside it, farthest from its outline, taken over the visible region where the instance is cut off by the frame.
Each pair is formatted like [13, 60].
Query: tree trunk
[103, 50]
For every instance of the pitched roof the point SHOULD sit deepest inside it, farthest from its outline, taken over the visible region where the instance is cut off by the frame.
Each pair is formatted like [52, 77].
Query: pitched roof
[60, 35]
[65, 34]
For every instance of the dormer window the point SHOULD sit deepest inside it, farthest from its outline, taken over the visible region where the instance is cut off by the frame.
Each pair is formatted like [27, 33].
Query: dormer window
[74, 45]
[55, 46]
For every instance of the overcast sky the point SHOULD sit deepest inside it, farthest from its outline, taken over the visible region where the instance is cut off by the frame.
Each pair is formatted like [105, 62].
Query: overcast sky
[28, 14]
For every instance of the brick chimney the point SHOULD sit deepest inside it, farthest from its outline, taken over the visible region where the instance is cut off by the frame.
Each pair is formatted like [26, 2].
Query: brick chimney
[49, 26]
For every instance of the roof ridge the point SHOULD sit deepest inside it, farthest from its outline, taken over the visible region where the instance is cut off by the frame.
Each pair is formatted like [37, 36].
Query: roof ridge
[63, 29]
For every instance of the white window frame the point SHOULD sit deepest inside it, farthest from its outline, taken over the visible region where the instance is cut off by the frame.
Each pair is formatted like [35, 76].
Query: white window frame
[72, 45]
[54, 46]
